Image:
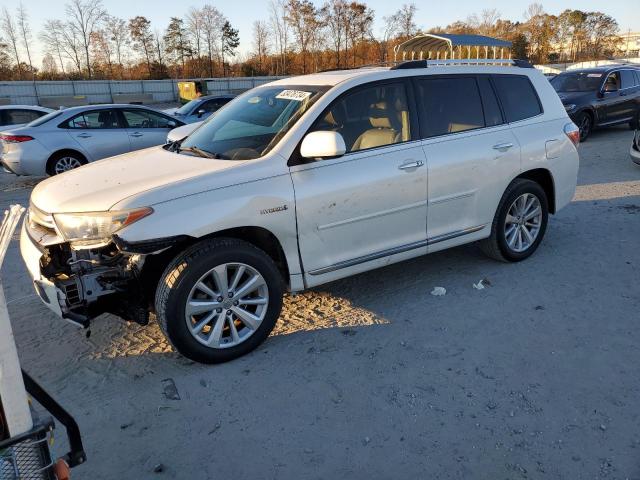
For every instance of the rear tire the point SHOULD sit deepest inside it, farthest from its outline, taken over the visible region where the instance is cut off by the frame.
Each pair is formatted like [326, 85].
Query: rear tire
[508, 241]
[200, 305]
[64, 161]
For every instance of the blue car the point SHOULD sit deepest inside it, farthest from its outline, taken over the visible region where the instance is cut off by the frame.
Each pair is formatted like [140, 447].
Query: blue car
[199, 108]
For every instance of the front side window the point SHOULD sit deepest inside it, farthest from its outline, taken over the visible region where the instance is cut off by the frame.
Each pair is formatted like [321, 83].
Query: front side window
[98, 119]
[146, 119]
[518, 97]
[370, 117]
[253, 123]
[613, 82]
[450, 105]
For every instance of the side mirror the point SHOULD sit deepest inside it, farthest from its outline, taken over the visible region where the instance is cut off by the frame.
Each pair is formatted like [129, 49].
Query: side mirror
[171, 124]
[201, 112]
[323, 144]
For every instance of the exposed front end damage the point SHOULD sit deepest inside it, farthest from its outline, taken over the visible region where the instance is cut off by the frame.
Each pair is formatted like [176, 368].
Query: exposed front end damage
[97, 281]
[82, 283]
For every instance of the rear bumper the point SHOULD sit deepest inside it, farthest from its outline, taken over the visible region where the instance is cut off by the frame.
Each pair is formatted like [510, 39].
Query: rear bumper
[28, 158]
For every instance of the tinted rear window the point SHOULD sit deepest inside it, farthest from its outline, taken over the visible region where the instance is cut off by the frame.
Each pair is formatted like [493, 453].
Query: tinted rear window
[450, 105]
[518, 97]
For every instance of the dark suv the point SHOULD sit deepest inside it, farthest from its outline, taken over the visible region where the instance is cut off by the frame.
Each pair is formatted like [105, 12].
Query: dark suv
[601, 96]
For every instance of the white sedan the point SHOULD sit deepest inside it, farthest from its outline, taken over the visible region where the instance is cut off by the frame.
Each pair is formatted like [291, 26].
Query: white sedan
[67, 139]
[17, 115]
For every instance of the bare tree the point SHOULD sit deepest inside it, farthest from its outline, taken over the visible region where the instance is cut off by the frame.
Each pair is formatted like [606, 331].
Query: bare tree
[303, 18]
[334, 14]
[52, 38]
[485, 22]
[25, 33]
[406, 18]
[212, 23]
[260, 42]
[11, 34]
[84, 18]
[194, 31]
[280, 32]
[118, 37]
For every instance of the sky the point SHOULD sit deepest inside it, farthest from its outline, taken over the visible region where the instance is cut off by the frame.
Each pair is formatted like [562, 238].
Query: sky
[242, 13]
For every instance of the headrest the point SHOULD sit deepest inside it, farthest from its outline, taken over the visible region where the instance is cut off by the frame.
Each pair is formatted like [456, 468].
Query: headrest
[379, 115]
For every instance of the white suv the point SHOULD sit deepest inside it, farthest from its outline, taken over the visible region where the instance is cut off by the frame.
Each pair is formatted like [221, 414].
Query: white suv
[297, 183]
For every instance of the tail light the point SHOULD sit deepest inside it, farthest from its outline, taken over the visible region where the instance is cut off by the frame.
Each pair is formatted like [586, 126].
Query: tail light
[573, 132]
[15, 138]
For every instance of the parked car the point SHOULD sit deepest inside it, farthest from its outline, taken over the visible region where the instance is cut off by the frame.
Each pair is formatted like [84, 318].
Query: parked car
[601, 96]
[297, 183]
[200, 108]
[17, 115]
[180, 133]
[635, 148]
[66, 139]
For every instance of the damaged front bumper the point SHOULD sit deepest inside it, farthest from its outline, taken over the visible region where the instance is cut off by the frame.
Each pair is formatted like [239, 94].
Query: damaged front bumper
[79, 285]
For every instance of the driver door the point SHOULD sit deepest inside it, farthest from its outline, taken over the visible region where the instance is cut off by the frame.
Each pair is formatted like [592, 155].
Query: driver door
[356, 211]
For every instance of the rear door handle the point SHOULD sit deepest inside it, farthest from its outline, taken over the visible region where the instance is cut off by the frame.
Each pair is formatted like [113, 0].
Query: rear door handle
[503, 147]
[84, 135]
[136, 134]
[410, 165]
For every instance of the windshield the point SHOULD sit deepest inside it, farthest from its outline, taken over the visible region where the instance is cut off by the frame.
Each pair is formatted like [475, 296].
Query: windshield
[187, 107]
[44, 119]
[577, 82]
[252, 124]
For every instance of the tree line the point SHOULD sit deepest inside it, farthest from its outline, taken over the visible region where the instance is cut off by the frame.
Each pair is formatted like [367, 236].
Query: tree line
[295, 37]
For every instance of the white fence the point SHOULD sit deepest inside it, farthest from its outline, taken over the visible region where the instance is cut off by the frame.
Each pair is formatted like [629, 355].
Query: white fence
[103, 91]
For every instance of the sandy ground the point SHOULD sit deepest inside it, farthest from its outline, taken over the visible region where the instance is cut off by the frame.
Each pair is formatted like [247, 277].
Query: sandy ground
[372, 377]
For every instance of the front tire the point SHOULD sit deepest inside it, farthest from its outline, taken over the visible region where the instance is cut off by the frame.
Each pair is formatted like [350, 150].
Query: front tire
[219, 300]
[585, 125]
[519, 224]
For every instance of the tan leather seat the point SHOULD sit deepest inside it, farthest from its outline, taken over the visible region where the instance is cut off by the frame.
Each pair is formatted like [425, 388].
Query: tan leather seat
[382, 133]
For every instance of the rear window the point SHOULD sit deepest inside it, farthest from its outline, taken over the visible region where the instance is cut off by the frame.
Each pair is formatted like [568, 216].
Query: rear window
[450, 105]
[518, 97]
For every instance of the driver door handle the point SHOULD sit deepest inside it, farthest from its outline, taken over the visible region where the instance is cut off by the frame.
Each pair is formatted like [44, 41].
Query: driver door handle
[503, 147]
[136, 134]
[84, 135]
[410, 165]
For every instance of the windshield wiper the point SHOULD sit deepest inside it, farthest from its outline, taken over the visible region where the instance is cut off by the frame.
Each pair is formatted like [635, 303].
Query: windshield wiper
[198, 151]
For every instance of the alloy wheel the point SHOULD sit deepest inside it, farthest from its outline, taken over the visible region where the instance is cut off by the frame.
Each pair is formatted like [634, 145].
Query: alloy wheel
[227, 305]
[523, 222]
[584, 127]
[64, 164]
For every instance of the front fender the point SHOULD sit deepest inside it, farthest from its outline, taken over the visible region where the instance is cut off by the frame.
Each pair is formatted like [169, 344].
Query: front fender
[267, 203]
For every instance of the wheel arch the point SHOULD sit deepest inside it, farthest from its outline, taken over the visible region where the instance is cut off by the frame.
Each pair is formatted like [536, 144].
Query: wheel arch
[63, 151]
[259, 237]
[544, 178]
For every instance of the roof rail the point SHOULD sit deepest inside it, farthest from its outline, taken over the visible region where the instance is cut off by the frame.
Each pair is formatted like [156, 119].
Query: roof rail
[462, 62]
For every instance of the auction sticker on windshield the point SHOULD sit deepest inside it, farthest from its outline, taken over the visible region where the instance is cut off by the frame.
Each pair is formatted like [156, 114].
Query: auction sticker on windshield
[297, 95]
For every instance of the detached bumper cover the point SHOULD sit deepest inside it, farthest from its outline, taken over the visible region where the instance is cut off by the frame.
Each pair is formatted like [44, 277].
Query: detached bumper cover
[50, 295]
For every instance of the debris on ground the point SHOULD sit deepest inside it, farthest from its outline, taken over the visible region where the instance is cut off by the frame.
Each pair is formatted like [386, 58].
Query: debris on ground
[170, 390]
[479, 285]
[438, 291]
[159, 468]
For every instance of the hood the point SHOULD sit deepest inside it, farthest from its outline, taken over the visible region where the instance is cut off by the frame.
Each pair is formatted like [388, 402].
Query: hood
[100, 185]
[575, 97]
